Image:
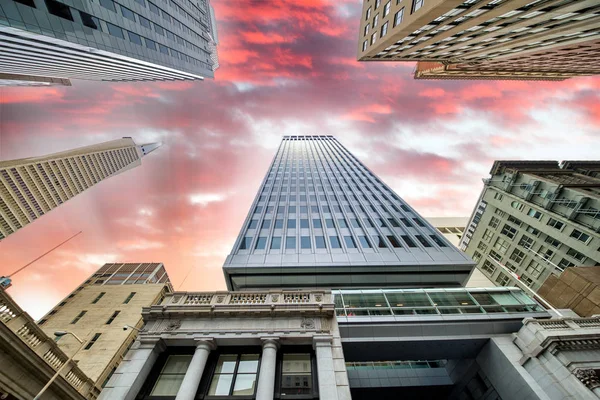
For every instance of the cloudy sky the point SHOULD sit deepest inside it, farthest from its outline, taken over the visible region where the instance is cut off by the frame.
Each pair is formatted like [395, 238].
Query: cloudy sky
[287, 67]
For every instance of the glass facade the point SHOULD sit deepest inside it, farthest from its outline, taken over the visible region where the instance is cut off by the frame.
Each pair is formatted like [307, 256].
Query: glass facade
[117, 40]
[410, 302]
[334, 212]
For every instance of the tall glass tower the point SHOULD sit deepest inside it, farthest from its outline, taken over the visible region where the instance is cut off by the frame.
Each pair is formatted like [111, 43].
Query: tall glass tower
[108, 40]
[322, 219]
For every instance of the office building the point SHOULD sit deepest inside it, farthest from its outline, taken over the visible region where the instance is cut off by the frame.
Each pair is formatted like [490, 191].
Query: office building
[106, 40]
[535, 218]
[98, 310]
[322, 219]
[31, 187]
[453, 228]
[31, 80]
[29, 358]
[484, 39]
[307, 341]
[576, 288]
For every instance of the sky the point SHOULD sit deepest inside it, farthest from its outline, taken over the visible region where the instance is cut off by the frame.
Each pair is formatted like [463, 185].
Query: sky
[286, 68]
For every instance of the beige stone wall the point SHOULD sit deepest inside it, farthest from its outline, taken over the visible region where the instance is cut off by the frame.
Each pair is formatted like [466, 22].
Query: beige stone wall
[576, 288]
[98, 361]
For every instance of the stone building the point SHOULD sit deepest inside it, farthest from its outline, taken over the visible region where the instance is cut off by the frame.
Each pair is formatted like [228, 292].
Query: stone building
[576, 288]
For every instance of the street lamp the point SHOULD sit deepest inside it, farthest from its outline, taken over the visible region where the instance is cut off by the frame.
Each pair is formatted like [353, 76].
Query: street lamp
[125, 327]
[60, 334]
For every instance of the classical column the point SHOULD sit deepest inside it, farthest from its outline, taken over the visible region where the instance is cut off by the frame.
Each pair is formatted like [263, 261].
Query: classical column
[266, 377]
[325, 370]
[191, 380]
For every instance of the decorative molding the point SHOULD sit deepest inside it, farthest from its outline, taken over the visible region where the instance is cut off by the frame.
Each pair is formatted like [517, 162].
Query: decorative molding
[588, 377]
[173, 325]
[307, 323]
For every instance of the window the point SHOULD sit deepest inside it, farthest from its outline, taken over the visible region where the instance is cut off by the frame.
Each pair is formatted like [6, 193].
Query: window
[377, 4]
[576, 255]
[526, 242]
[423, 241]
[134, 38]
[29, 3]
[171, 376]
[78, 317]
[235, 375]
[532, 230]
[142, 2]
[291, 224]
[110, 4]
[419, 222]
[151, 44]
[534, 213]
[502, 280]
[276, 243]
[278, 224]
[127, 13]
[317, 223]
[487, 235]
[320, 242]
[534, 269]
[364, 242]
[555, 224]
[488, 268]
[437, 241]
[416, 5]
[112, 317]
[245, 243]
[482, 246]
[128, 299]
[373, 38]
[253, 224]
[384, 29]
[355, 223]
[515, 221]
[498, 196]
[406, 222]
[97, 299]
[368, 223]
[494, 222]
[395, 243]
[335, 242]
[393, 223]
[495, 255]
[501, 245]
[154, 8]
[517, 205]
[564, 263]
[92, 341]
[342, 223]
[305, 242]
[304, 223]
[517, 256]
[349, 240]
[365, 44]
[386, 8]
[115, 30]
[261, 243]
[398, 17]
[89, 20]
[499, 212]
[329, 223]
[380, 243]
[407, 240]
[476, 256]
[290, 242]
[59, 9]
[582, 237]
[296, 374]
[368, 14]
[508, 231]
[367, 29]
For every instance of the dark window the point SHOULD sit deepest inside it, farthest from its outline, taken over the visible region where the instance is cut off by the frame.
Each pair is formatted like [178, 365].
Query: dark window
[78, 317]
[408, 241]
[134, 38]
[261, 243]
[159, 29]
[154, 8]
[437, 241]
[394, 242]
[89, 20]
[423, 241]
[349, 242]
[145, 22]
[335, 242]
[419, 222]
[112, 317]
[59, 9]
[151, 44]
[92, 341]
[128, 299]
[379, 241]
[115, 30]
[98, 297]
[393, 223]
[29, 3]
[245, 243]
[110, 4]
[266, 224]
[253, 224]
[127, 13]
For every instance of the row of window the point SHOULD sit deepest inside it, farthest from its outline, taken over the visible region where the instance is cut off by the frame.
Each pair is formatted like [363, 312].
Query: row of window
[398, 17]
[329, 223]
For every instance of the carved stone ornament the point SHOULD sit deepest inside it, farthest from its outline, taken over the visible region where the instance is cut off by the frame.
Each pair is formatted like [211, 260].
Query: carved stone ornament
[220, 298]
[588, 377]
[275, 298]
[307, 323]
[318, 298]
[173, 325]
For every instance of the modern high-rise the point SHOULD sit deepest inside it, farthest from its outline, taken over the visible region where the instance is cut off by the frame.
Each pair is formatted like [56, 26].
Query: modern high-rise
[484, 39]
[99, 308]
[536, 218]
[31, 187]
[31, 80]
[108, 40]
[321, 218]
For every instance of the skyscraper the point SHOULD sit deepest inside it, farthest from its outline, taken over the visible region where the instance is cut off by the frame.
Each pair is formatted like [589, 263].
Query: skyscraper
[30, 187]
[322, 219]
[536, 218]
[122, 40]
[483, 39]
[98, 310]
